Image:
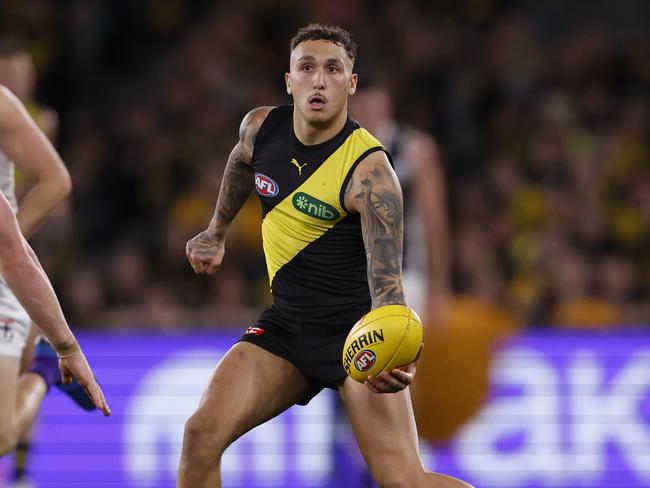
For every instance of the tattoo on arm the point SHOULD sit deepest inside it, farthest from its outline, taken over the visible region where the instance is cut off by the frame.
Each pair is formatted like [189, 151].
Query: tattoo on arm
[382, 227]
[237, 183]
[236, 187]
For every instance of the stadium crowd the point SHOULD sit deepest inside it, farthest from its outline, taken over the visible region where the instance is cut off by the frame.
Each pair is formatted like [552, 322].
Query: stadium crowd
[541, 119]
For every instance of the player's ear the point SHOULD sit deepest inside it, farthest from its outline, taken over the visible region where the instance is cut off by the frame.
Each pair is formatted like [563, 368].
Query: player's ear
[353, 84]
[287, 81]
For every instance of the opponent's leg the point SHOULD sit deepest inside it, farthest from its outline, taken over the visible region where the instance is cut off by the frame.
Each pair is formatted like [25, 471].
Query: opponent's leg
[249, 386]
[9, 367]
[23, 446]
[20, 396]
[20, 399]
[384, 426]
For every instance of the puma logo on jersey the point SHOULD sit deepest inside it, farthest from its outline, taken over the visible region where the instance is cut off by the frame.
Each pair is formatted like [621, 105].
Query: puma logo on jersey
[298, 165]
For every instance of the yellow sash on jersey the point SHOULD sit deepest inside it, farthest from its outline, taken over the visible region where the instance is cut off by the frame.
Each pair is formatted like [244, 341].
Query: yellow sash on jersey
[314, 207]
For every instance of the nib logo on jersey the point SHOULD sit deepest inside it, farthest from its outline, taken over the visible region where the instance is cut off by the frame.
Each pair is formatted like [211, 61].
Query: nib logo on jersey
[314, 207]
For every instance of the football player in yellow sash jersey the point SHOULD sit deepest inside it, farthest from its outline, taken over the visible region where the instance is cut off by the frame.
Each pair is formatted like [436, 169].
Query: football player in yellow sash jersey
[332, 230]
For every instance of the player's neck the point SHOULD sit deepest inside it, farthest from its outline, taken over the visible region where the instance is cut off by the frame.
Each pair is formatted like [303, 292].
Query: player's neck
[310, 134]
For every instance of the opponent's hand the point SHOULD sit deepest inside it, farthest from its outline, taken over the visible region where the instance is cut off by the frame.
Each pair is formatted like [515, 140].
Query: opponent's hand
[75, 366]
[205, 252]
[396, 380]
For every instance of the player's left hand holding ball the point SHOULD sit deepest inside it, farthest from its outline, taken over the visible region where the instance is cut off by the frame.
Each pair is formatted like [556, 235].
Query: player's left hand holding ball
[395, 380]
[383, 348]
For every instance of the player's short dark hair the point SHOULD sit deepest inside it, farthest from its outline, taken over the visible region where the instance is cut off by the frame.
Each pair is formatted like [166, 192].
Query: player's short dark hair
[324, 32]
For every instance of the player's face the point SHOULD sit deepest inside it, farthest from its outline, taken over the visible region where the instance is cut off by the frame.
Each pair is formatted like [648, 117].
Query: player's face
[320, 80]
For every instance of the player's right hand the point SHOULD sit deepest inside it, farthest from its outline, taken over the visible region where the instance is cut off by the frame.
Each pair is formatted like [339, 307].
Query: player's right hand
[205, 252]
[75, 366]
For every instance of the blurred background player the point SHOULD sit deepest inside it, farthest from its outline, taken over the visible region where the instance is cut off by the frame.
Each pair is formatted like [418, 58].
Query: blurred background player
[454, 341]
[45, 183]
[415, 156]
[419, 169]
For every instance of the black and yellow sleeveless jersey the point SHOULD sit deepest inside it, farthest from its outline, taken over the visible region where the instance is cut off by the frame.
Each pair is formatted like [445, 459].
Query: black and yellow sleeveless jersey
[313, 247]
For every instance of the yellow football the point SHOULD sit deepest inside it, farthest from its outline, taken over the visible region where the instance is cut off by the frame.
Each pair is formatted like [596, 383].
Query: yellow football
[383, 339]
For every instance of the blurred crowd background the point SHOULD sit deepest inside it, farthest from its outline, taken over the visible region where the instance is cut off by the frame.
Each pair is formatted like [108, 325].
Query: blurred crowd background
[539, 110]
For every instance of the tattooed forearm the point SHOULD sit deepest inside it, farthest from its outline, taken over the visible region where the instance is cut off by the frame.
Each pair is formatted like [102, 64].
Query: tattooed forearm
[382, 226]
[237, 183]
[383, 273]
[236, 187]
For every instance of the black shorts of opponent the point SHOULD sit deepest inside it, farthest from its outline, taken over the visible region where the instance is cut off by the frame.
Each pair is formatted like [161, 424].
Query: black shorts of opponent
[313, 346]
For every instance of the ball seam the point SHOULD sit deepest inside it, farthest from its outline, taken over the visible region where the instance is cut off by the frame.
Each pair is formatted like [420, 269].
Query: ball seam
[408, 326]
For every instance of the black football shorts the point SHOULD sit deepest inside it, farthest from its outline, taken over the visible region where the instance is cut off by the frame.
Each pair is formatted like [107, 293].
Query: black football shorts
[313, 346]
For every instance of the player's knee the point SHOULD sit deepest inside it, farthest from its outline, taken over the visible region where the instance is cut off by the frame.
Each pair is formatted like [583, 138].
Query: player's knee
[202, 435]
[197, 432]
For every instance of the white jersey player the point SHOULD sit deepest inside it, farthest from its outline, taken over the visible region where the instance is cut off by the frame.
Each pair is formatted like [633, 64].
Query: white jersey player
[25, 290]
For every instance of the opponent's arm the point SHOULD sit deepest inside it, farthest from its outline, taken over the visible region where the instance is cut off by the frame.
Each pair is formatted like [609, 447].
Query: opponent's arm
[29, 283]
[375, 194]
[24, 275]
[26, 145]
[205, 251]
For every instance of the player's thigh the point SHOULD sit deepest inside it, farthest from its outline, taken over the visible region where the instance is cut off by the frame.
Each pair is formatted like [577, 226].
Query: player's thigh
[9, 367]
[249, 386]
[384, 426]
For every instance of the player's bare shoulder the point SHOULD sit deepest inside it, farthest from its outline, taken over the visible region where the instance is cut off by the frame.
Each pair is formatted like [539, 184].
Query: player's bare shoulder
[373, 173]
[248, 129]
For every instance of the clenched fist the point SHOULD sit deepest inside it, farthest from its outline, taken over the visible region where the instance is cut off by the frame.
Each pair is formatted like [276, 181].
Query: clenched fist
[205, 252]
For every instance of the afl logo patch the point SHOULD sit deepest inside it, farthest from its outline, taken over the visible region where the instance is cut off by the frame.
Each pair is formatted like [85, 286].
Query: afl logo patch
[265, 185]
[365, 360]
